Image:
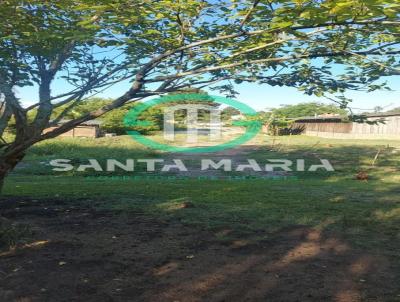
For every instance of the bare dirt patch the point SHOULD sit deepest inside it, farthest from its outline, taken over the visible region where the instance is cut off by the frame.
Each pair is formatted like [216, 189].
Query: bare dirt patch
[78, 253]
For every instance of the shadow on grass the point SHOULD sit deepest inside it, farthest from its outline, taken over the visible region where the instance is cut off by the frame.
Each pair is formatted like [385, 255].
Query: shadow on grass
[98, 254]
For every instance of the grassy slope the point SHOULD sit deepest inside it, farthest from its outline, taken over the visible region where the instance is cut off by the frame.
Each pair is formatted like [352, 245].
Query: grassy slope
[366, 213]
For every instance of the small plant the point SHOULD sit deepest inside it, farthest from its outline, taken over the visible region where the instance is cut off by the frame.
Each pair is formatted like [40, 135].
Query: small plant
[12, 234]
[279, 125]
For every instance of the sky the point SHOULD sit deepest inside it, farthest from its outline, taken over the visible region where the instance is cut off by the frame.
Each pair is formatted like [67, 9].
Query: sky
[262, 97]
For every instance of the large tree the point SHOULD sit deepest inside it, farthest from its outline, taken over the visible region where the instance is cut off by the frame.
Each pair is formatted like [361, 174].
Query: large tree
[168, 45]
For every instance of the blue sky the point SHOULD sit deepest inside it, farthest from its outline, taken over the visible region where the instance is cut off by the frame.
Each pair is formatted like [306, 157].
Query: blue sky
[261, 97]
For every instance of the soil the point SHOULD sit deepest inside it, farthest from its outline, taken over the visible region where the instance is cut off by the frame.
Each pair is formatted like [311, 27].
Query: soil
[78, 253]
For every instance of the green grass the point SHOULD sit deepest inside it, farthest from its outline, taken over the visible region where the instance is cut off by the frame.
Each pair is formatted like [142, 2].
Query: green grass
[367, 214]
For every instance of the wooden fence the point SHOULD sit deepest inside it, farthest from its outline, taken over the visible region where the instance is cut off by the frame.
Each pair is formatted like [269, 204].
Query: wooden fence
[390, 129]
[79, 131]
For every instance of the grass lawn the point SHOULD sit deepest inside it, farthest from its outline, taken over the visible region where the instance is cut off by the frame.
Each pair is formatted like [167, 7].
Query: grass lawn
[363, 210]
[297, 236]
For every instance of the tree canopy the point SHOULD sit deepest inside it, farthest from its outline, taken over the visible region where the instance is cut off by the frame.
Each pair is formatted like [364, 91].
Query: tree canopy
[394, 110]
[308, 109]
[320, 47]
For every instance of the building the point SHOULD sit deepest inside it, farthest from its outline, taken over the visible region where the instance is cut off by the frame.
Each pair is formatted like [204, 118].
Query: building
[87, 129]
[377, 126]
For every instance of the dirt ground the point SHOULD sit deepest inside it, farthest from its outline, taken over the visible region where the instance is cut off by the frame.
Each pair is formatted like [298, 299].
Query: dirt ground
[83, 254]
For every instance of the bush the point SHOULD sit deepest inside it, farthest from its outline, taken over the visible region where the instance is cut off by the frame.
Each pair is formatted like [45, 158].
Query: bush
[290, 131]
[278, 126]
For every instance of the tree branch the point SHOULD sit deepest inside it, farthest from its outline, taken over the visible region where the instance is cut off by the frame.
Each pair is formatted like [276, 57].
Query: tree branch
[268, 60]
[156, 60]
[248, 15]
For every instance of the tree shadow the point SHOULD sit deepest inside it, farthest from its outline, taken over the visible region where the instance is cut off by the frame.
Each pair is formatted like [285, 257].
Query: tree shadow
[334, 237]
[296, 264]
[108, 255]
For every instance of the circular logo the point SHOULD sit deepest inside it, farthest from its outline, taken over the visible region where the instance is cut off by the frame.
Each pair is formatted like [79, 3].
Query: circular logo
[132, 119]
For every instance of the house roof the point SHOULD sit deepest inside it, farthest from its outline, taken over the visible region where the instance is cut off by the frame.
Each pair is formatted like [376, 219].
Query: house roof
[87, 123]
[335, 118]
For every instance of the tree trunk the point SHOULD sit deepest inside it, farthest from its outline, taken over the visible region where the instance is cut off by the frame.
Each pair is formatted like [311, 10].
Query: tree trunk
[2, 177]
[7, 164]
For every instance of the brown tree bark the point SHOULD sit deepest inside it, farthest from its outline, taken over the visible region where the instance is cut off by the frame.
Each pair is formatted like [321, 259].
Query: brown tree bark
[7, 164]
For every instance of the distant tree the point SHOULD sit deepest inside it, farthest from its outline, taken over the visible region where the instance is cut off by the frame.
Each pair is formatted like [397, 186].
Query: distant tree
[113, 121]
[394, 110]
[110, 122]
[228, 112]
[307, 109]
[378, 109]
